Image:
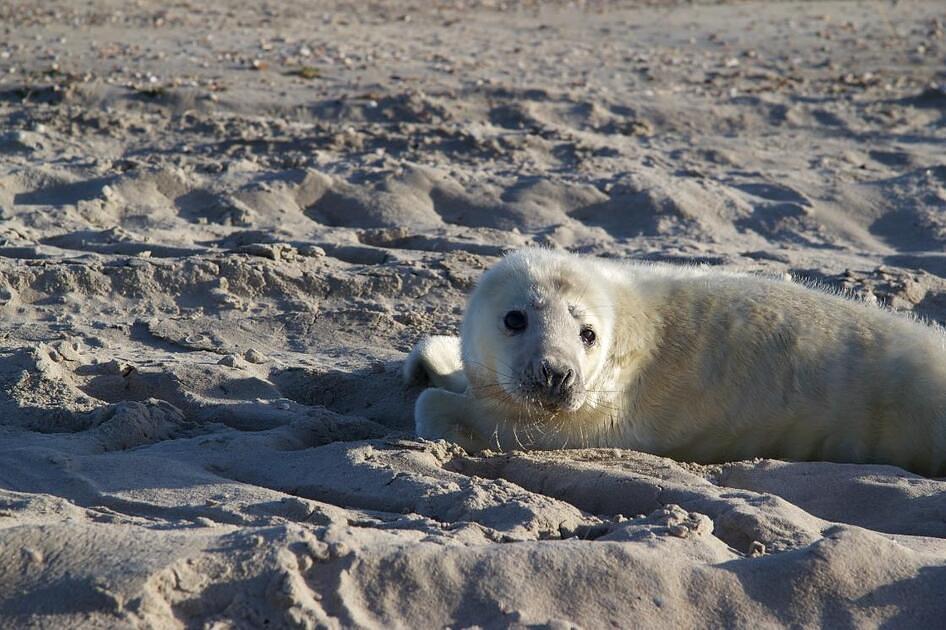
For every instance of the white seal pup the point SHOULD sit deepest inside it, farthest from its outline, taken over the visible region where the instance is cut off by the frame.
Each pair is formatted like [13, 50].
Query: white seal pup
[698, 364]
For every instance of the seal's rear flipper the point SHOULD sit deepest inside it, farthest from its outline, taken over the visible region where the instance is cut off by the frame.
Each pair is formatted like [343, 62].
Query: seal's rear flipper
[436, 360]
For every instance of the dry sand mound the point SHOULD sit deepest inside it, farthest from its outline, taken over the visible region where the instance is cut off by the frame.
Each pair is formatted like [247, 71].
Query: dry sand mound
[223, 226]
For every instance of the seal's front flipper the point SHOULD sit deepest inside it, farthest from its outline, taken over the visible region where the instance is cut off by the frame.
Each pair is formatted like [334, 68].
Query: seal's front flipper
[436, 360]
[443, 415]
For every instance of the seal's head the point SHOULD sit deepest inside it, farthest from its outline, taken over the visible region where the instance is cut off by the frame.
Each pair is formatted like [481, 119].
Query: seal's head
[537, 331]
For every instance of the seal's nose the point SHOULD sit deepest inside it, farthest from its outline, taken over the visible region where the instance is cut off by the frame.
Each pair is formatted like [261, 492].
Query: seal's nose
[558, 379]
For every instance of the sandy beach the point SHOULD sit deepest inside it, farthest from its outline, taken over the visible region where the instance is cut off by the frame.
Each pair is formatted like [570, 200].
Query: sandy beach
[223, 225]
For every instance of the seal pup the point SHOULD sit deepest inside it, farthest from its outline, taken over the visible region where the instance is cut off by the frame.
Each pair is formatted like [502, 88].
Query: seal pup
[558, 350]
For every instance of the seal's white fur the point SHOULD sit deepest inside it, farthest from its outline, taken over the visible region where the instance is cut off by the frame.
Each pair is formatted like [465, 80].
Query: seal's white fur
[693, 363]
[436, 360]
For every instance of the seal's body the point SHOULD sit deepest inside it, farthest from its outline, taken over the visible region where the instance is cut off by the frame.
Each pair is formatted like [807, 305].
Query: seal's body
[697, 364]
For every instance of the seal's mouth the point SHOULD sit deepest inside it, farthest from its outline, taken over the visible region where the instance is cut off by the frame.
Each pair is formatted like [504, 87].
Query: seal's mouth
[547, 385]
[537, 398]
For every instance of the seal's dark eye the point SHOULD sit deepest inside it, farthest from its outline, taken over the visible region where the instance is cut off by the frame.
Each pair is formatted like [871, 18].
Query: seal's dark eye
[515, 321]
[588, 336]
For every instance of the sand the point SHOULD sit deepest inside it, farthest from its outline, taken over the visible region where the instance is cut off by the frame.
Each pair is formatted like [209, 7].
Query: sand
[222, 226]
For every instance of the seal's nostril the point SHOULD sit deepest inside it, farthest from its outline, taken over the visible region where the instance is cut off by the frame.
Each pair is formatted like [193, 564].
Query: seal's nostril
[568, 379]
[557, 380]
[547, 372]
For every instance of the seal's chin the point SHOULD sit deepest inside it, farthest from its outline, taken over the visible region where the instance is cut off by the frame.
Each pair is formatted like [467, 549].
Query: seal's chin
[559, 406]
[536, 402]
